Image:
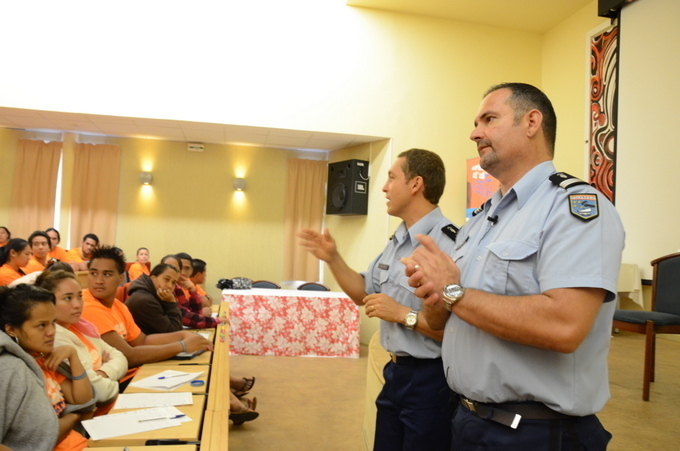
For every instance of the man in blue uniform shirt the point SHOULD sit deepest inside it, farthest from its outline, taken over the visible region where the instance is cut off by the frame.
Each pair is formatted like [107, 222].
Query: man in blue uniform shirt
[525, 300]
[414, 406]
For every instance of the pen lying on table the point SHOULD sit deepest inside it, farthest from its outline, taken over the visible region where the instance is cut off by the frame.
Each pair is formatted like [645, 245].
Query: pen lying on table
[174, 375]
[161, 418]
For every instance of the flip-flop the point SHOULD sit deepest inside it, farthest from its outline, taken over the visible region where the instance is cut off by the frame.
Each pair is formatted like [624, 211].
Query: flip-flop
[246, 414]
[248, 383]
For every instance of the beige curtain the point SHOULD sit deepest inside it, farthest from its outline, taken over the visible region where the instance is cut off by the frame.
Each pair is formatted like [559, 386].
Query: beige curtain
[94, 202]
[305, 202]
[34, 187]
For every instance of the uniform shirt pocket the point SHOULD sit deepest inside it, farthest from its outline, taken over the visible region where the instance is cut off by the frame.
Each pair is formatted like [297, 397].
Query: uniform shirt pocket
[511, 267]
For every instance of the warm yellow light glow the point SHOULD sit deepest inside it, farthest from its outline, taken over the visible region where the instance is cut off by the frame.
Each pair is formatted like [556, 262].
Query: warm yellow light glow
[147, 165]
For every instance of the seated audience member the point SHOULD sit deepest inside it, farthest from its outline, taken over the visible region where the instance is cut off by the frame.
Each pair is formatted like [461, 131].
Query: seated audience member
[40, 246]
[139, 267]
[5, 236]
[83, 254]
[27, 420]
[198, 275]
[114, 321]
[28, 315]
[13, 256]
[152, 303]
[194, 314]
[105, 365]
[185, 279]
[57, 252]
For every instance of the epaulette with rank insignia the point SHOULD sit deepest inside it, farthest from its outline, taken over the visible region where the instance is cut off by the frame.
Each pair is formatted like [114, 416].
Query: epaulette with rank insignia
[478, 210]
[566, 181]
[451, 231]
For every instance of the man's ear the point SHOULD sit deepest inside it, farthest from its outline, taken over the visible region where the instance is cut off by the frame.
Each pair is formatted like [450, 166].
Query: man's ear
[417, 183]
[534, 120]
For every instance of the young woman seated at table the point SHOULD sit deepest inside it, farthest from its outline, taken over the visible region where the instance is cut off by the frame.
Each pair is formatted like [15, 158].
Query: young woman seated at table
[28, 315]
[105, 365]
[13, 257]
[27, 420]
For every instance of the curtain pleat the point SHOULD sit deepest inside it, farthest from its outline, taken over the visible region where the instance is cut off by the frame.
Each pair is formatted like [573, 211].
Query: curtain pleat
[34, 187]
[305, 201]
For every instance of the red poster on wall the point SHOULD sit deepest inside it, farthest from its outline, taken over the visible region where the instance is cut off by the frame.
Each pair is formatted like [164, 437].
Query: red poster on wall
[480, 186]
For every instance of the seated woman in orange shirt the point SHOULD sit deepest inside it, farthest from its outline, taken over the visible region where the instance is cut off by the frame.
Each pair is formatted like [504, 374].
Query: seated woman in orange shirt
[5, 235]
[13, 257]
[56, 251]
[140, 266]
[28, 315]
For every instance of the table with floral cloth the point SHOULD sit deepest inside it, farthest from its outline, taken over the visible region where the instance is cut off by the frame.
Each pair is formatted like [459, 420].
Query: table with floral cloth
[292, 323]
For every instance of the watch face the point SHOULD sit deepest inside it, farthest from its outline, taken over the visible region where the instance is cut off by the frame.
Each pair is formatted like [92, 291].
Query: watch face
[454, 292]
[410, 319]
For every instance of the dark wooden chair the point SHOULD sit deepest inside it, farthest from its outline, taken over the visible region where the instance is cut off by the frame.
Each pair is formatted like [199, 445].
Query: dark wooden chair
[265, 284]
[313, 286]
[664, 317]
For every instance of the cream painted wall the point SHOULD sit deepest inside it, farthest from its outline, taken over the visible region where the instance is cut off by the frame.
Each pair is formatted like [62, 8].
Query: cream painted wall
[8, 145]
[565, 81]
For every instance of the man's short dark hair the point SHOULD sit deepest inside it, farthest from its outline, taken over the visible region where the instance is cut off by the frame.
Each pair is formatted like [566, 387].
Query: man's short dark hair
[179, 260]
[91, 236]
[525, 98]
[42, 234]
[429, 166]
[198, 266]
[183, 256]
[109, 253]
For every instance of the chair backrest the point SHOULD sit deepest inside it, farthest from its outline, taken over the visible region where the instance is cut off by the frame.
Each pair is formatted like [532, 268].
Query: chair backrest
[313, 286]
[666, 284]
[265, 284]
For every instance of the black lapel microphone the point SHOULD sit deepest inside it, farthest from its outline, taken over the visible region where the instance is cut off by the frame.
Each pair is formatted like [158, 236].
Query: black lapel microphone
[492, 219]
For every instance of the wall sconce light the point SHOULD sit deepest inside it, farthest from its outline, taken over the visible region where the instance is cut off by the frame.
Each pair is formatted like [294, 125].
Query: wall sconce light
[239, 184]
[145, 178]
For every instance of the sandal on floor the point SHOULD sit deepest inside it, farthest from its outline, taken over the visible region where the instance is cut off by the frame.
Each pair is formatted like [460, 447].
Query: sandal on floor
[246, 414]
[248, 383]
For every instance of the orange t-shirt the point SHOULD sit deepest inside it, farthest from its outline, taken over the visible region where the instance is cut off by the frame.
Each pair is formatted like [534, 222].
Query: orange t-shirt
[73, 441]
[74, 256]
[117, 318]
[137, 269]
[59, 253]
[9, 274]
[33, 266]
[199, 289]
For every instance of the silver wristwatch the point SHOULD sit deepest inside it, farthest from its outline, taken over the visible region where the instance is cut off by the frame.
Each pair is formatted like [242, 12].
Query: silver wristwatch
[452, 294]
[411, 319]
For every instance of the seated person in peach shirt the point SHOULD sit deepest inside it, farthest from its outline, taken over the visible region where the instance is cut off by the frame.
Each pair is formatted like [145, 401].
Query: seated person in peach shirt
[79, 256]
[114, 320]
[140, 266]
[56, 251]
[198, 275]
[13, 256]
[5, 236]
[187, 285]
[40, 245]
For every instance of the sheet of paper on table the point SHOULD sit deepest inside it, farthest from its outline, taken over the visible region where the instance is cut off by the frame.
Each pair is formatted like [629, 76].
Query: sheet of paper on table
[166, 380]
[133, 422]
[142, 400]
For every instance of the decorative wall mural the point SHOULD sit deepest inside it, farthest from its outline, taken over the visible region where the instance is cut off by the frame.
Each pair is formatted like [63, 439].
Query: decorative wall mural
[604, 52]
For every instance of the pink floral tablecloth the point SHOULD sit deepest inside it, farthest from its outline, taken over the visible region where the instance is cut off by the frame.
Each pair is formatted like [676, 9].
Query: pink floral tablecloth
[292, 323]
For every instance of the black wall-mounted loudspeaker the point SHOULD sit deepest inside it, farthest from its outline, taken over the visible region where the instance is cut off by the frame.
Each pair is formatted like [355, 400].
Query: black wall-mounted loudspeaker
[347, 188]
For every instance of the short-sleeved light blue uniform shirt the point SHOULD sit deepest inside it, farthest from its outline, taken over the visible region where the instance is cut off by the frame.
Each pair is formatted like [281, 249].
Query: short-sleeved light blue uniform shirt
[537, 244]
[386, 275]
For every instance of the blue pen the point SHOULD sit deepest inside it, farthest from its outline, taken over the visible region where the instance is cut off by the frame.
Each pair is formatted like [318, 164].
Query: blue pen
[174, 375]
[176, 416]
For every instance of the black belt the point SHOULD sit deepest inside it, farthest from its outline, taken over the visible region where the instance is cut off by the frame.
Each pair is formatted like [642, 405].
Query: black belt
[408, 360]
[511, 413]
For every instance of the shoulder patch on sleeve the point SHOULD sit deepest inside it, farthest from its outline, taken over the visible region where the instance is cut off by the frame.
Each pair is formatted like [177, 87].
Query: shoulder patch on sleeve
[451, 231]
[566, 181]
[584, 206]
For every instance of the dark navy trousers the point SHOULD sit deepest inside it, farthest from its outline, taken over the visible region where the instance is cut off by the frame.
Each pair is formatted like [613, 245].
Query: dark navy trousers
[414, 408]
[471, 433]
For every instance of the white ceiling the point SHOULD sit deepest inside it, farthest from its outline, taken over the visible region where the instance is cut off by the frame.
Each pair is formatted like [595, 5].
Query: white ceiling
[535, 16]
[528, 15]
[169, 130]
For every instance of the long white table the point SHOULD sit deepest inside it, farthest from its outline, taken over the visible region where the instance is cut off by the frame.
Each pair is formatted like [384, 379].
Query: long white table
[293, 323]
